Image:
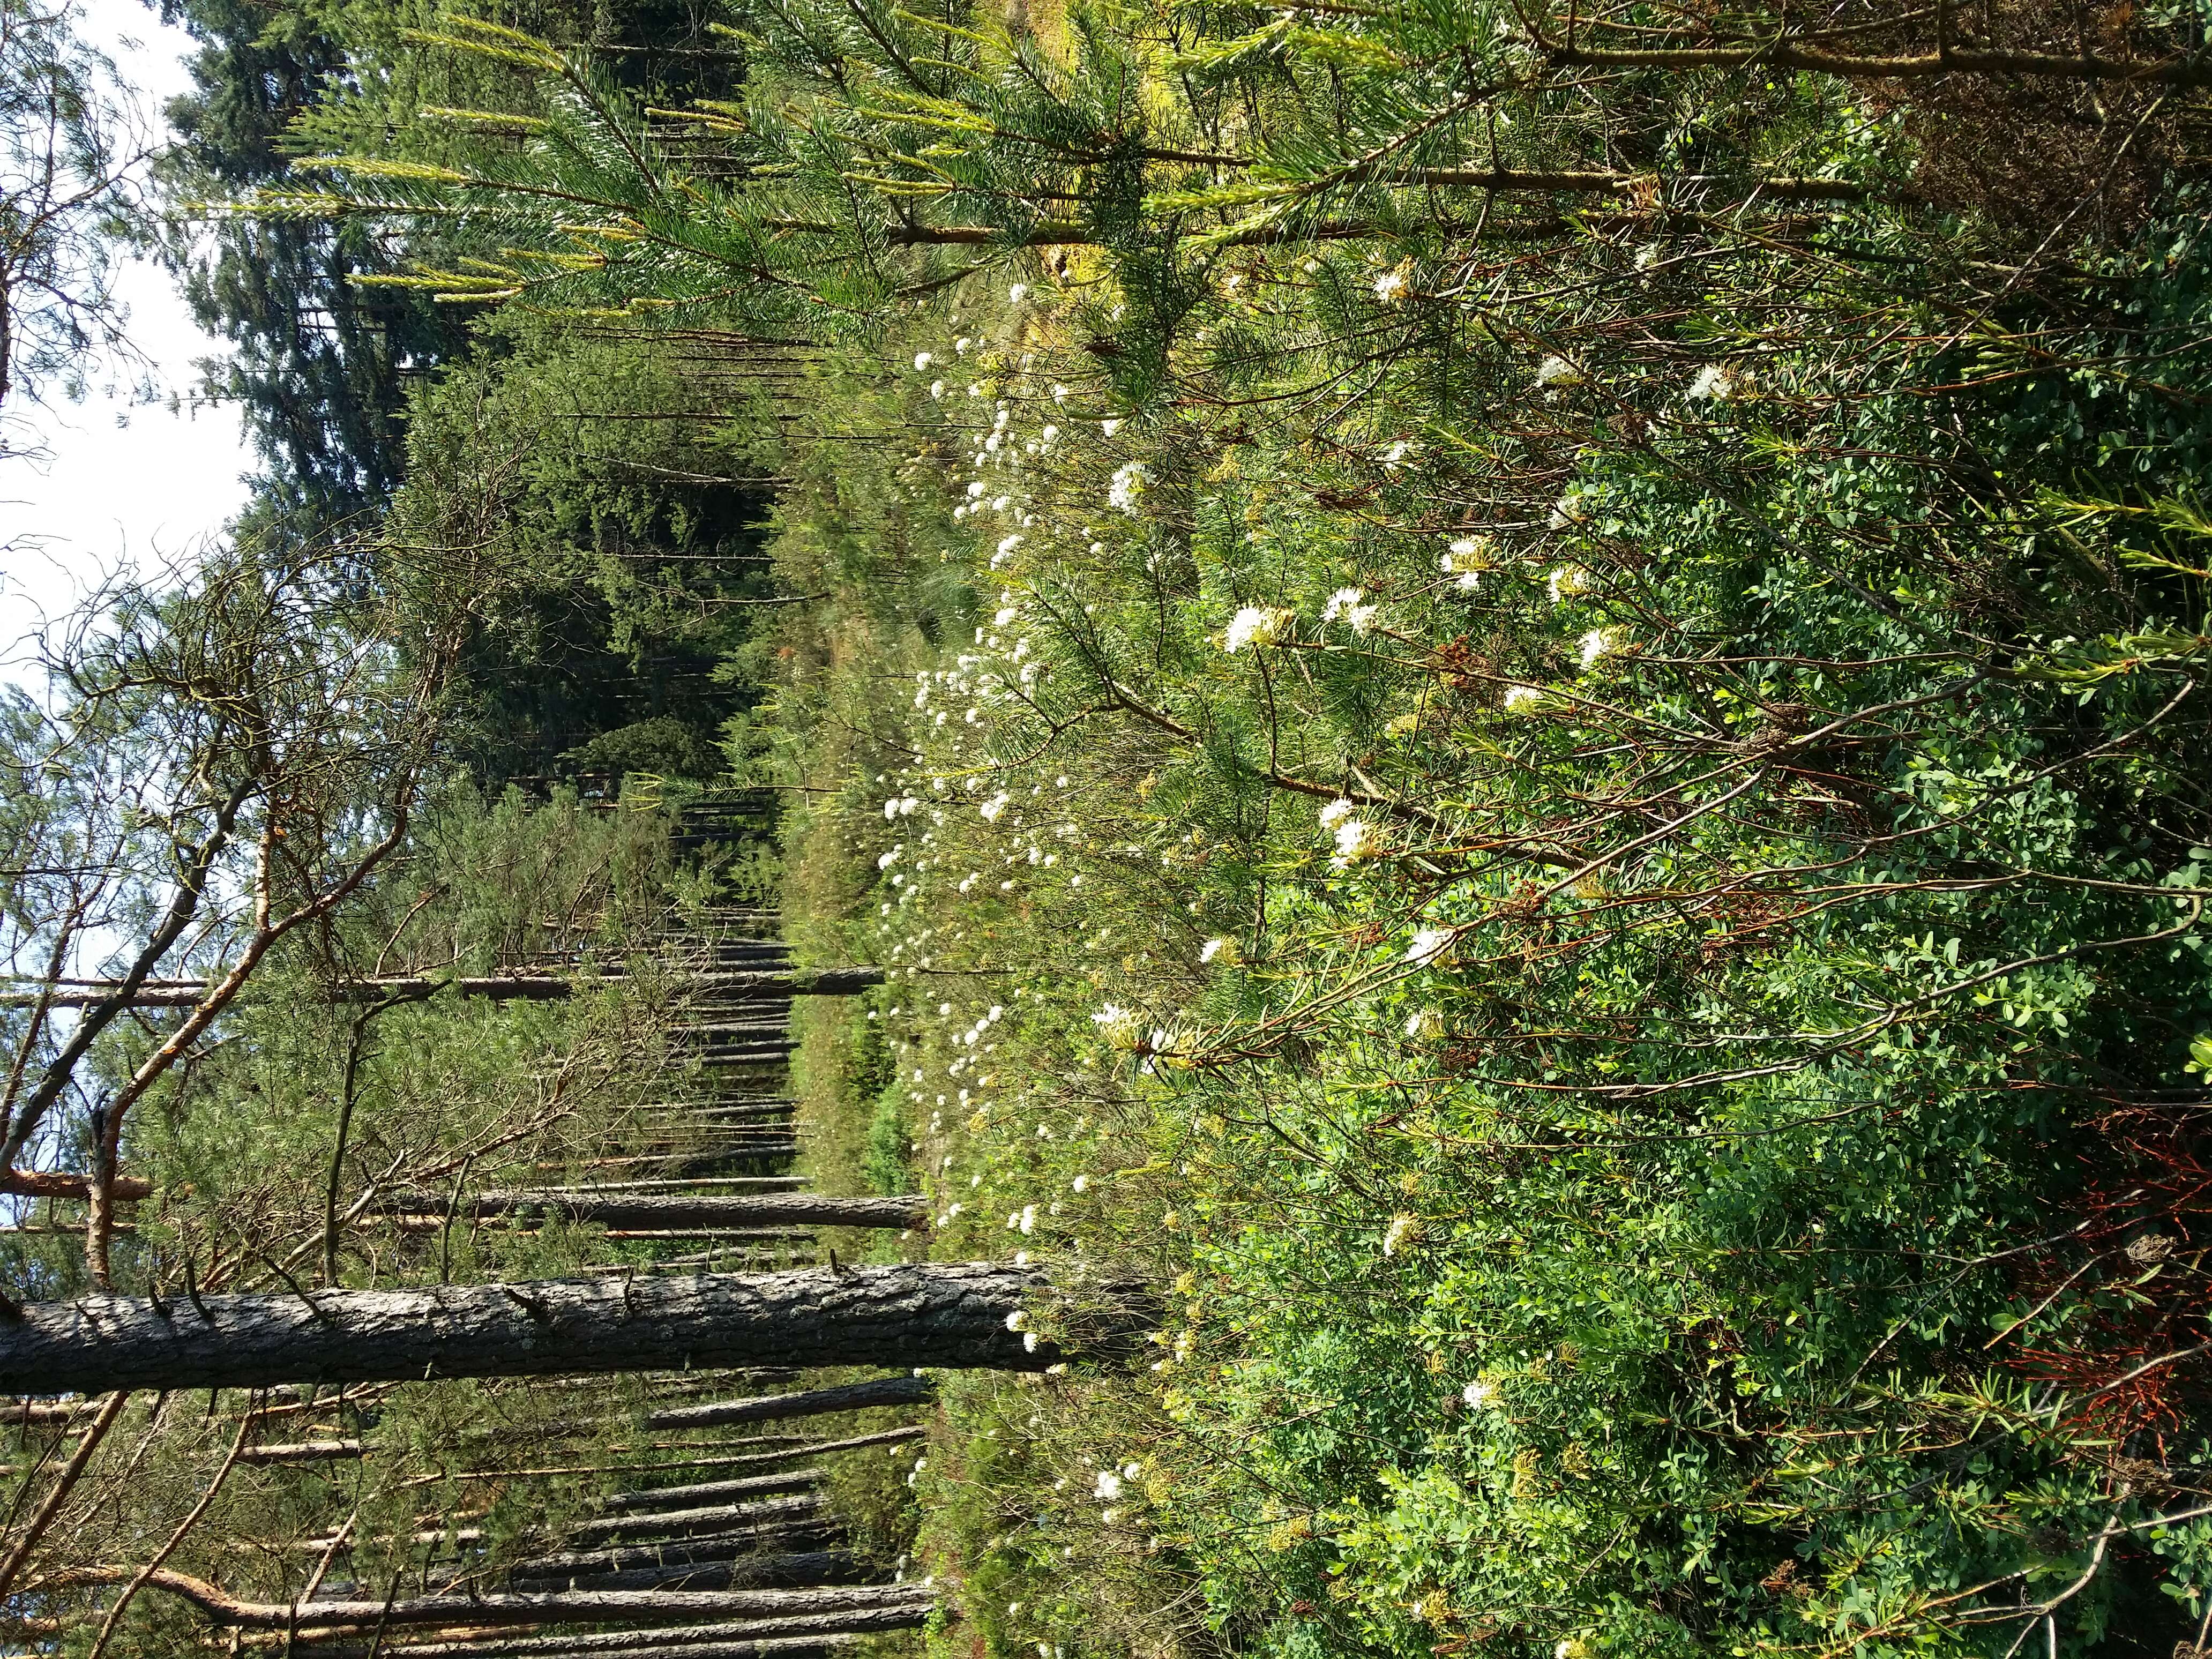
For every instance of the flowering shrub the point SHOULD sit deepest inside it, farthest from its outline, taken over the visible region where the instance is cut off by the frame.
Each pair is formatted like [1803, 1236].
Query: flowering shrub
[1646, 1176]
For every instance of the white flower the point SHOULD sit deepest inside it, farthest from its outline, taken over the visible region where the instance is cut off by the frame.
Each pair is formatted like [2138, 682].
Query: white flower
[1597, 643]
[1716, 382]
[922, 360]
[1017, 1321]
[1568, 510]
[937, 389]
[1255, 625]
[1017, 293]
[1356, 838]
[1569, 581]
[1005, 613]
[1402, 1231]
[962, 345]
[1524, 700]
[1344, 606]
[1335, 812]
[991, 808]
[890, 858]
[1027, 1220]
[1109, 1486]
[1430, 946]
[1478, 1394]
[1080, 1184]
[1128, 486]
[1123, 1028]
[1424, 1023]
[1224, 948]
[1050, 432]
[1390, 287]
[1558, 371]
[1059, 392]
[1467, 558]
[1396, 454]
[1110, 425]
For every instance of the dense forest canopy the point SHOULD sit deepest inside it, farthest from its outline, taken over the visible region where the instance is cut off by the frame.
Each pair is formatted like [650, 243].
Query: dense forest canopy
[1386, 823]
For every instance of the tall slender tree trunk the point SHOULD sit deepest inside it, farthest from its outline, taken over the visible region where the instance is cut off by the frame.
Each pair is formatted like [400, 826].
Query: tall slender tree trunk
[731, 1212]
[954, 1315]
[771, 1631]
[812, 1402]
[824, 1603]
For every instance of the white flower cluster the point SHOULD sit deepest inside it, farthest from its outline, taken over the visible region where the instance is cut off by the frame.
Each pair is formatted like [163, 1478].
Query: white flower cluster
[1128, 489]
[1466, 558]
[1256, 626]
[1356, 838]
[1345, 606]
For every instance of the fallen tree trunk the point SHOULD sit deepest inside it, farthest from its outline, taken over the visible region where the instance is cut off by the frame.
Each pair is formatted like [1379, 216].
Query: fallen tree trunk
[771, 1638]
[812, 1402]
[826, 1603]
[755, 1486]
[736, 982]
[64, 1183]
[300, 1451]
[718, 1518]
[738, 1569]
[953, 1315]
[731, 1212]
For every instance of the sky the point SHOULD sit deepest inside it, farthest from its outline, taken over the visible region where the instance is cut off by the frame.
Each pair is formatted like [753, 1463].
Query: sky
[122, 484]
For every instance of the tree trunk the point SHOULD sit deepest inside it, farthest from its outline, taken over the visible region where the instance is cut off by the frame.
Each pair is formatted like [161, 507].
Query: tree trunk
[721, 1212]
[814, 1402]
[63, 1183]
[779, 1607]
[731, 1567]
[739, 983]
[712, 1520]
[301, 1451]
[772, 1637]
[757, 1485]
[953, 1315]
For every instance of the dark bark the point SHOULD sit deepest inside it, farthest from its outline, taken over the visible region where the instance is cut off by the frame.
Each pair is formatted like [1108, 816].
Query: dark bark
[719, 1210]
[813, 1402]
[63, 1183]
[953, 1315]
[745, 984]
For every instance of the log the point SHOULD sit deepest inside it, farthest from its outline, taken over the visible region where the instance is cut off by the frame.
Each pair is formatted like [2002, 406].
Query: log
[753, 983]
[300, 1451]
[735, 1211]
[793, 1646]
[711, 1491]
[953, 1315]
[64, 1183]
[740, 1568]
[813, 1402]
[710, 1519]
[822, 1603]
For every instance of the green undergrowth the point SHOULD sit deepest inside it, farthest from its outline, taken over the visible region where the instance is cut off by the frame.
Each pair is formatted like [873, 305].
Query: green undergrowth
[1624, 1041]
